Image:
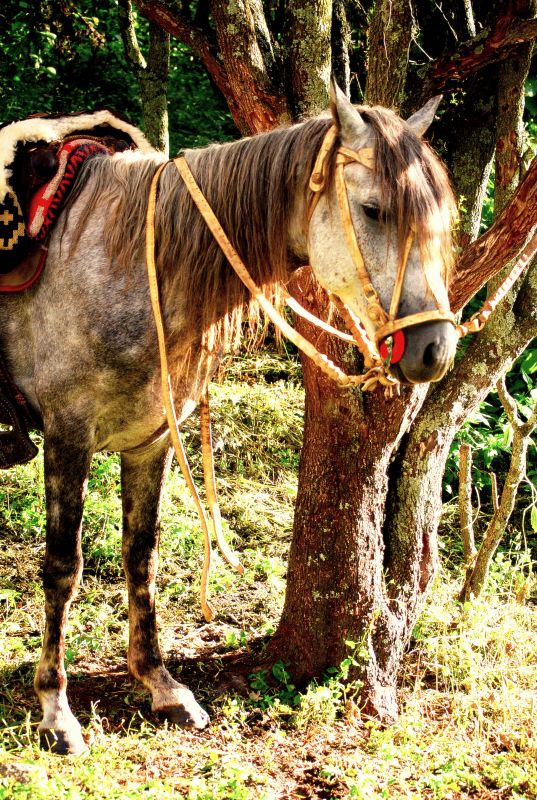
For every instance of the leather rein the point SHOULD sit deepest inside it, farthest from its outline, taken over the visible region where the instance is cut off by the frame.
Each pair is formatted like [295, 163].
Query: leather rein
[387, 324]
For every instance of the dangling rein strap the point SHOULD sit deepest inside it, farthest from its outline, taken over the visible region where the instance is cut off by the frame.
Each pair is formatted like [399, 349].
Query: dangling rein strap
[206, 443]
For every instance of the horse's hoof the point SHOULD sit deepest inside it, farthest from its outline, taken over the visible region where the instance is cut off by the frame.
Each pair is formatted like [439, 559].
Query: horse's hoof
[62, 743]
[186, 717]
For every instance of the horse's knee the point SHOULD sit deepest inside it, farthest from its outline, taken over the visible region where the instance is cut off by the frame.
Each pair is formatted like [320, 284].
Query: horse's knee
[61, 574]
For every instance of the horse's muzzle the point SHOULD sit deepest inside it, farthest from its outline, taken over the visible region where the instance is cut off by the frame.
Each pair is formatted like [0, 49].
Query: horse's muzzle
[429, 351]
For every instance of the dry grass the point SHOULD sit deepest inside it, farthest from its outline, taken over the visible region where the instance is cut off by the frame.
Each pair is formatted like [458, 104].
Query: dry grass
[468, 689]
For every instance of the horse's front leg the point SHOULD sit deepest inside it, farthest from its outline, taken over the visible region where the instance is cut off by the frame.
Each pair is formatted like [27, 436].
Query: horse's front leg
[67, 459]
[142, 479]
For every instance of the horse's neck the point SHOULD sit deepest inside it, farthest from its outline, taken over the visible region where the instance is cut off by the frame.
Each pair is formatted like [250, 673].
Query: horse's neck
[193, 263]
[295, 231]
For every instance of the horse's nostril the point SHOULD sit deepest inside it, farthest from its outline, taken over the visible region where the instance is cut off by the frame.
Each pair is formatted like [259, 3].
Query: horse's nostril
[430, 354]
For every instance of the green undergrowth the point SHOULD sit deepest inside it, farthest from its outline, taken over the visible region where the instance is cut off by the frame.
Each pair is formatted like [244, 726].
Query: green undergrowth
[468, 688]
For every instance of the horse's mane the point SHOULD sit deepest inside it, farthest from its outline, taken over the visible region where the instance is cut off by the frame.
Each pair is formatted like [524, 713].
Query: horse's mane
[251, 185]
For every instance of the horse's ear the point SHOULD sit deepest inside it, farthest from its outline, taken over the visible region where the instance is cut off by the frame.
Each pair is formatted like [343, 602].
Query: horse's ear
[420, 121]
[346, 118]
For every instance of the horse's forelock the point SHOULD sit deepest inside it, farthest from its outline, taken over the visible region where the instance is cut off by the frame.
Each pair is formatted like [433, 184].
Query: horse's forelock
[414, 184]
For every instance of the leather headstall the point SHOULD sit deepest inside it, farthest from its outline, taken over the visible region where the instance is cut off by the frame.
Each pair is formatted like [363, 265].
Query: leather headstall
[386, 323]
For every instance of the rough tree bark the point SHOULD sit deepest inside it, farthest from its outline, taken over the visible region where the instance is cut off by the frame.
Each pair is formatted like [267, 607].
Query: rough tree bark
[388, 43]
[151, 73]
[369, 498]
[308, 62]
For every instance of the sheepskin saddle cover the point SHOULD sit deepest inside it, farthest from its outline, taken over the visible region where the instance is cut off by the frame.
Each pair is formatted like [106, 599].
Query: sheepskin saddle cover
[39, 160]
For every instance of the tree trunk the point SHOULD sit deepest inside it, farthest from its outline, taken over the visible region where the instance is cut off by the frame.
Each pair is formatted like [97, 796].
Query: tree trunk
[341, 42]
[369, 498]
[472, 138]
[151, 74]
[334, 585]
[307, 33]
[358, 572]
[154, 88]
[388, 43]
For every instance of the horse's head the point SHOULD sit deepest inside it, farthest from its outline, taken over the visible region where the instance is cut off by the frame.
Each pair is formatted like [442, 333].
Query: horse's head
[379, 234]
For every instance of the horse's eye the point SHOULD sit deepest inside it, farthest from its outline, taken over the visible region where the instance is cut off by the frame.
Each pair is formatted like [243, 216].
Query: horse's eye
[372, 212]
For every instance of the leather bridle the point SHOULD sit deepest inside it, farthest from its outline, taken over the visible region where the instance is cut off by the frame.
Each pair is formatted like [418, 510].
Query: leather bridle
[386, 322]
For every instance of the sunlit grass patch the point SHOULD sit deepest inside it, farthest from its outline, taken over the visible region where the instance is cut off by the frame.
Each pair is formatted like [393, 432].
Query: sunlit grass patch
[468, 700]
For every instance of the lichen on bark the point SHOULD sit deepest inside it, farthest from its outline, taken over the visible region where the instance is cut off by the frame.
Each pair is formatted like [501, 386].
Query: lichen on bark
[307, 46]
[388, 42]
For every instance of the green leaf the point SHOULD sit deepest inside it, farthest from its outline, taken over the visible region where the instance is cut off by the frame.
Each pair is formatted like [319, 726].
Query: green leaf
[533, 517]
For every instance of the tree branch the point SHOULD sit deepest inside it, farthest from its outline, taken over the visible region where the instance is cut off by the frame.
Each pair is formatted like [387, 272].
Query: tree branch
[267, 45]
[445, 74]
[133, 53]
[476, 577]
[176, 24]
[151, 74]
[511, 137]
[503, 242]
[465, 503]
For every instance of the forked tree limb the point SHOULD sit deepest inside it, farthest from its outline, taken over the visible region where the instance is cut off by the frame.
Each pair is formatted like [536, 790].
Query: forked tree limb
[239, 65]
[249, 56]
[490, 46]
[522, 431]
[512, 235]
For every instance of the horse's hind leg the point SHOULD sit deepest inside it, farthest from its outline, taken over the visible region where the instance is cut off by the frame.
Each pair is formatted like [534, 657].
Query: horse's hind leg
[67, 461]
[142, 477]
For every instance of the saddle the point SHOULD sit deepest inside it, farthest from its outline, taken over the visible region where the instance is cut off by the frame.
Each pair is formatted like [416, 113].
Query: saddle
[39, 162]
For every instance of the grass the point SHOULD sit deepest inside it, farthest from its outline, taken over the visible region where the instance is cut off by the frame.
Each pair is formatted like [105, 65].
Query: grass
[468, 689]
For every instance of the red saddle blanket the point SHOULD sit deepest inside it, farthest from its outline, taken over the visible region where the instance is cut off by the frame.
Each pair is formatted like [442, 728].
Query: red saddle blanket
[44, 207]
[46, 203]
[39, 160]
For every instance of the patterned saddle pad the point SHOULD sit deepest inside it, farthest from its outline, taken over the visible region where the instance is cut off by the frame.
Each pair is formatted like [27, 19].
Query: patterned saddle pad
[39, 160]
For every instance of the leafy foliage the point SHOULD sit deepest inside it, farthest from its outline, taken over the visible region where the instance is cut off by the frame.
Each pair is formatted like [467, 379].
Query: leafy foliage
[60, 58]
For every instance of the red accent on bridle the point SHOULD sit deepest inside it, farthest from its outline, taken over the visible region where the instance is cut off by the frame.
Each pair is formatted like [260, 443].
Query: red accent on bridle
[392, 353]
